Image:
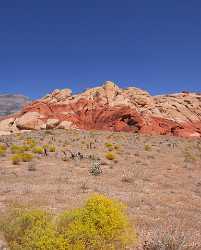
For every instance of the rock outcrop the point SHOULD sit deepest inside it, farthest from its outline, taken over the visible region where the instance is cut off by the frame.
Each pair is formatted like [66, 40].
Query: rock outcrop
[109, 107]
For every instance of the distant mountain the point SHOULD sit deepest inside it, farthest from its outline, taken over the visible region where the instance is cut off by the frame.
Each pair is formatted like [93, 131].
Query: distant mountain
[10, 104]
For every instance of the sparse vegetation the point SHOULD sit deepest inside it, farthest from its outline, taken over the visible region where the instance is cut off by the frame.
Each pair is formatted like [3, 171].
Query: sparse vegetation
[16, 159]
[52, 148]
[38, 150]
[30, 142]
[110, 156]
[188, 156]
[173, 239]
[109, 146]
[25, 157]
[3, 149]
[95, 168]
[147, 147]
[126, 178]
[150, 182]
[15, 149]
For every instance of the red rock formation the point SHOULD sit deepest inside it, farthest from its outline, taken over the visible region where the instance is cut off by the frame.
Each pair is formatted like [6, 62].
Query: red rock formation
[114, 109]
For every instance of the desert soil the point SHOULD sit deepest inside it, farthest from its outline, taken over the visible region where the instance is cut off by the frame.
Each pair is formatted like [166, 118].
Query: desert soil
[157, 177]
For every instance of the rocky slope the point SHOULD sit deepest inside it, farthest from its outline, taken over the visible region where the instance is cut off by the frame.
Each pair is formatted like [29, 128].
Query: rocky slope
[10, 104]
[109, 107]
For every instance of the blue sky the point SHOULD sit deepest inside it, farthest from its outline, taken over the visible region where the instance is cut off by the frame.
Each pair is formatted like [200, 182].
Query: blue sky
[151, 44]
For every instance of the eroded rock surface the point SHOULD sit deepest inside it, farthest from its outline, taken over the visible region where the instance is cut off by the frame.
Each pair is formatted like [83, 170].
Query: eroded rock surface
[109, 107]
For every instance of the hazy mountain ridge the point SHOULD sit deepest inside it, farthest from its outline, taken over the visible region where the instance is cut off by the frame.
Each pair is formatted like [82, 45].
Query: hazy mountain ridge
[12, 103]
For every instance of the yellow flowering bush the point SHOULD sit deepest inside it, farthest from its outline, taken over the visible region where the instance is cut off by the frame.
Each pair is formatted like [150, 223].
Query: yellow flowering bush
[100, 225]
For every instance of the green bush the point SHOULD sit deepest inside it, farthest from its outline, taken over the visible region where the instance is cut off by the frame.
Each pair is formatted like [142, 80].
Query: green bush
[38, 150]
[100, 225]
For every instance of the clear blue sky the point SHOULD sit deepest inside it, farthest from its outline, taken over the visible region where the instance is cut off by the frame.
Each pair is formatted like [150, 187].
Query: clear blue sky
[48, 44]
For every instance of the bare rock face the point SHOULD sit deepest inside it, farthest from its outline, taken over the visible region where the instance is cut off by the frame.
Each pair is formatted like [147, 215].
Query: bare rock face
[52, 123]
[29, 121]
[109, 107]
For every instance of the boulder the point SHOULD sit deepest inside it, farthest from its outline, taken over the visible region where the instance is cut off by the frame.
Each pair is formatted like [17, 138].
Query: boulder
[65, 125]
[52, 123]
[6, 125]
[29, 121]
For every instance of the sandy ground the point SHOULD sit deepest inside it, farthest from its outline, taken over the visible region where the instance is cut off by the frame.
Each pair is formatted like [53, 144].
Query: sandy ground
[157, 177]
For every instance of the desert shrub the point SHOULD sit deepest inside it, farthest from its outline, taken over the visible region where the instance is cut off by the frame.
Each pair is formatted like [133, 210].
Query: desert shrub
[127, 178]
[52, 148]
[38, 150]
[116, 147]
[95, 168]
[3, 147]
[15, 149]
[30, 142]
[16, 159]
[26, 157]
[45, 146]
[26, 147]
[176, 240]
[100, 224]
[2, 150]
[109, 145]
[188, 156]
[24, 229]
[110, 156]
[147, 147]
[49, 132]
